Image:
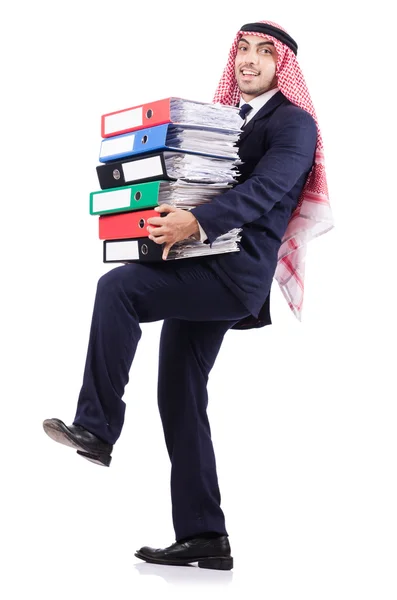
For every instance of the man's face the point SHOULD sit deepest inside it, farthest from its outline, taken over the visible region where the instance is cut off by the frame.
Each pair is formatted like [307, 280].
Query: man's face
[255, 66]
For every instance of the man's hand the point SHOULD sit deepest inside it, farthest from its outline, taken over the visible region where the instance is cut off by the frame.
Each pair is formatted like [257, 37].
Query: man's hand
[178, 225]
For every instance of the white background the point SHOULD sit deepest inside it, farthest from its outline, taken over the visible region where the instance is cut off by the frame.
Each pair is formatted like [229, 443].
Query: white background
[303, 414]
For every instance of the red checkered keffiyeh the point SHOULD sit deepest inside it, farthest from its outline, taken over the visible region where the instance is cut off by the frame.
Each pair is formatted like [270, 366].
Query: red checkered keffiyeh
[312, 217]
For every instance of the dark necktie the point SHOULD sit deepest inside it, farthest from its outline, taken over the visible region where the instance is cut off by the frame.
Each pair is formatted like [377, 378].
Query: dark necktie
[244, 110]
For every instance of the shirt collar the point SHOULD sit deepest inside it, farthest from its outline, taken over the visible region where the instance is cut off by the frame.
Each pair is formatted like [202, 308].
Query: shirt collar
[258, 102]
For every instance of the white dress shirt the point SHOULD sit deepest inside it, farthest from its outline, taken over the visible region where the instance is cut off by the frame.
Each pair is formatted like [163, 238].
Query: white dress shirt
[256, 104]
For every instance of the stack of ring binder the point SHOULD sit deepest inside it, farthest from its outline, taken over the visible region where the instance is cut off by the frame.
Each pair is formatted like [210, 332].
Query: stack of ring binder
[174, 151]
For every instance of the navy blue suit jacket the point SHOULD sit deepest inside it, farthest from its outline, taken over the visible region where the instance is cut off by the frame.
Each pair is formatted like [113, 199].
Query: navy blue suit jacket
[277, 148]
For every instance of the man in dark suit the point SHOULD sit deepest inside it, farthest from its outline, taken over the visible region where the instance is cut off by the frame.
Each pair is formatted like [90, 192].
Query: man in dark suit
[201, 299]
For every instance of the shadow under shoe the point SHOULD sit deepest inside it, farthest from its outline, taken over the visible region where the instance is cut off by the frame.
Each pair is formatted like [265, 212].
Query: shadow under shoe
[86, 443]
[208, 553]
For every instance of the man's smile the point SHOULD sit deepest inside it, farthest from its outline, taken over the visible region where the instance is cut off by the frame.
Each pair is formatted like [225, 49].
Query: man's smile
[248, 73]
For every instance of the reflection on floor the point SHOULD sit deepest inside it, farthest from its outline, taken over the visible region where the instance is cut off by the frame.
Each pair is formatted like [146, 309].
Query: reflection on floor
[190, 574]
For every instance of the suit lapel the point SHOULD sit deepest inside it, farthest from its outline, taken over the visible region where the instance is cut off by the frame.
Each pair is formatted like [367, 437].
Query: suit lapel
[270, 105]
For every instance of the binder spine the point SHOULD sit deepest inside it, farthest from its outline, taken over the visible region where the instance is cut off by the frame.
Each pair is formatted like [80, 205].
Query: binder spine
[136, 170]
[157, 113]
[132, 250]
[141, 142]
[152, 138]
[111, 176]
[132, 197]
[136, 118]
[124, 225]
[116, 147]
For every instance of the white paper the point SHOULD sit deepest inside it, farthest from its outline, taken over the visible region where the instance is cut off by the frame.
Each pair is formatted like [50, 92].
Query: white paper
[215, 142]
[205, 114]
[184, 194]
[200, 168]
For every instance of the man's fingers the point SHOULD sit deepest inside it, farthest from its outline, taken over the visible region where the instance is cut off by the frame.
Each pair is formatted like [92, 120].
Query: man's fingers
[160, 239]
[166, 250]
[155, 221]
[155, 231]
[165, 208]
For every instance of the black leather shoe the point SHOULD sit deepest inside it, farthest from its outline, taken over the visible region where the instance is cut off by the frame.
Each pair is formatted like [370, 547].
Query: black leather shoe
[86, 443]
[208, 553]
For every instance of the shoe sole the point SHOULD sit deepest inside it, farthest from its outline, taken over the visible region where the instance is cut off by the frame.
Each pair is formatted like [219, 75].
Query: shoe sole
[103, 460]
[221, 563]
[58, 432]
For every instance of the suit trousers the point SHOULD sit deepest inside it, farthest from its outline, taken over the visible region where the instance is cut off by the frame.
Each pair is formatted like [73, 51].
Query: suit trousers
[197, 309]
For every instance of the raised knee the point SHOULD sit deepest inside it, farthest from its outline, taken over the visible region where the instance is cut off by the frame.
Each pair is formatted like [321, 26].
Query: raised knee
[110, 281]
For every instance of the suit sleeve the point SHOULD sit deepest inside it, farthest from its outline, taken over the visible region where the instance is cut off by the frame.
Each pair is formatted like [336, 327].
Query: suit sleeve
[289, 156]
